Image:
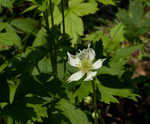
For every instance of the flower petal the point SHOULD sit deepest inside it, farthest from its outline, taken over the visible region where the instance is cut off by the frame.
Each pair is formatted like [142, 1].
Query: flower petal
[76, 76]
[90, 76]
[91, 54]
[73, 60]
[98, 64]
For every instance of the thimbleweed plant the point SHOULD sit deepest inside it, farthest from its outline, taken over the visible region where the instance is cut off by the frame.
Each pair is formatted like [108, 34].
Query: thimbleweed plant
[84, 61]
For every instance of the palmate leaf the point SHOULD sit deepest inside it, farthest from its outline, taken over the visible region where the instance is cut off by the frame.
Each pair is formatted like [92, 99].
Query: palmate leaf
[73, 23]
[75, 116]
[112, 42]
[108, 93]
[135, 23]
[119, 59]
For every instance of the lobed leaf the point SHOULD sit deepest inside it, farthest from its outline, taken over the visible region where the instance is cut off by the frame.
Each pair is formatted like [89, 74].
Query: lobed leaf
[75, 116]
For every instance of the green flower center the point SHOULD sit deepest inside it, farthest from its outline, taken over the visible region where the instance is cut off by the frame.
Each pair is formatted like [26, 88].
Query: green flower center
[86, 65]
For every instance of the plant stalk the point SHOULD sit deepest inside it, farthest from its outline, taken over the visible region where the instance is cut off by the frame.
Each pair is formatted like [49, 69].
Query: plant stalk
[63, 22]
[94, 102]
[51, 12]
[63, 15]
[54, 48]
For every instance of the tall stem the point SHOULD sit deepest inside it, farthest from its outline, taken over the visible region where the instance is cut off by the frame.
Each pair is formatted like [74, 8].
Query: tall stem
[54, 48]
[63, 22]
[51, 12]
[94, 102]
[63, 15]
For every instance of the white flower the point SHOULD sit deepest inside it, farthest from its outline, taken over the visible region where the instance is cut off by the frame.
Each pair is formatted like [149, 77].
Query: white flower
[84, 62]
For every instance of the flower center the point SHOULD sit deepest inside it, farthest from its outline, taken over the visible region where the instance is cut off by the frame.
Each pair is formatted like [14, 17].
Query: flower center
[86, 65]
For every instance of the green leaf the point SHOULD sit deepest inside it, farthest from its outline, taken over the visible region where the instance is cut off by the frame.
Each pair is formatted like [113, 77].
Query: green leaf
[44, 66]
[106, 2]
[75, 116]
[2, 25]
[40, 110]
[57, 16]
[136, 11]
[57, 2]
[135, 24]
[117, 36]
[40, 39]
[81, 9]
[25, 24]
[74, 26]
[9, 39]
[3, 66]
[6, 3]
[119, 59]
[108, 93]
[84, 90]
[9, 120]
[30, 8]
[12, 89]
[3, 104]
[95, 36]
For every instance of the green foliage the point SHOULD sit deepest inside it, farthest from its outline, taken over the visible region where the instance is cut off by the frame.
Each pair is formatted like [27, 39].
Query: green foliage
[34, 63]
[9, 39]
[109, 94]
[27, 25]
[84, 90]
[40, 38]
[72, 113]
[6, 3]
[111, 42]
[134, 20]
[118, 60]
[73, 22]
[41, 112]
[107, 2]
[12, 90]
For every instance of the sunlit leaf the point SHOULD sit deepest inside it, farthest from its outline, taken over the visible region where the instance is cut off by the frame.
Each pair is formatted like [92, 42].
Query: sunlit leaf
[12, 89]
[84, 90]
[108, 94]
[75, 115]
[9, 39]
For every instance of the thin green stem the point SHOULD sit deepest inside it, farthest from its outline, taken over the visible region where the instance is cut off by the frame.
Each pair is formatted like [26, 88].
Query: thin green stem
[63, 15]
[94, 102]
[63, 22]
[54, 48]
[51, 12]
